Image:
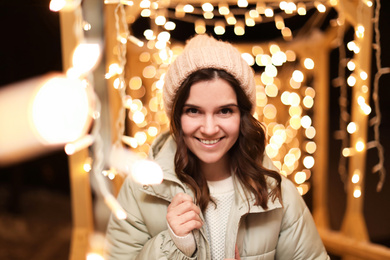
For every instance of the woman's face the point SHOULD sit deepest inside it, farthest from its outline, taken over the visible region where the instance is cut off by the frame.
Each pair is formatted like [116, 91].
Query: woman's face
[210, 120]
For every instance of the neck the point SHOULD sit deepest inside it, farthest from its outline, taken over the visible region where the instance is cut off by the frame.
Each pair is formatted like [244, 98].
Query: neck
[216, 171]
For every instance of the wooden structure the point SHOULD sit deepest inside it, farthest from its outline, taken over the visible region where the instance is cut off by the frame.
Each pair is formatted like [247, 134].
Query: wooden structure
[352, 241]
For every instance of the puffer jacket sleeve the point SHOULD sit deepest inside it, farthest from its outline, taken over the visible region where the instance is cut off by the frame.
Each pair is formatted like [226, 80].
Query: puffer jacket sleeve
[298, 238]
[130, 239]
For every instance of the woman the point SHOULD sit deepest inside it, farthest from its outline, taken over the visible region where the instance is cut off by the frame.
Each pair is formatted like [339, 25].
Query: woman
[221, 197]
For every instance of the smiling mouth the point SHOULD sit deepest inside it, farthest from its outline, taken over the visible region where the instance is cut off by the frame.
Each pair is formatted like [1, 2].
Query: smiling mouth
[204, 141]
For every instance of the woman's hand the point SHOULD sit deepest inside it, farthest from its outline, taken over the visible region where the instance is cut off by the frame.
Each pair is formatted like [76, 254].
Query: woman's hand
[183, 215]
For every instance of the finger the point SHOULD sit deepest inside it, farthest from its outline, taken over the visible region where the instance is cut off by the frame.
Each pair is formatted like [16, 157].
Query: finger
[180, 198]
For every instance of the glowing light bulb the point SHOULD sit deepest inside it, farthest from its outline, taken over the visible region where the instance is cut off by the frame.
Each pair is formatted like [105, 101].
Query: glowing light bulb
[147, 172]
[359, 146]
[355, 177]
[85, 57]
[57, 5]
[298, 76]
[357, 192]
[61, 110]
[223, 9]
[351, 65]
[188, 8]
[269, 12]
[360, 31]
[308, 63]
[351, 81]
[300, 177]
[248, 58]
[308, 162]
[351, 128]
[207, 7]
[242, 3]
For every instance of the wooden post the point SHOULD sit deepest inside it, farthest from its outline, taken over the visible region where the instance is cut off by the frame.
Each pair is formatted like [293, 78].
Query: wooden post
[354, 224]
[82, 220]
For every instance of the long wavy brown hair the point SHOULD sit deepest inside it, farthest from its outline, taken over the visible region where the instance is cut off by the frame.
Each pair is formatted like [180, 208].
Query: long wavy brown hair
[245, 156]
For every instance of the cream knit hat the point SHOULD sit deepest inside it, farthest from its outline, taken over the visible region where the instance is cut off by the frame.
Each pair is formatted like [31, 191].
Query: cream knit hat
[203, 52]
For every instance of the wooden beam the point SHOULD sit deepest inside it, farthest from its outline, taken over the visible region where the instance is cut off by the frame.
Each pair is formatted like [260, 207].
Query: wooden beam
[341, 245]
[82, 217]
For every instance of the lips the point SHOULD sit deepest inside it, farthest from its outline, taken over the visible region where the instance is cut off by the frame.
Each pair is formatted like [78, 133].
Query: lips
[208, 142]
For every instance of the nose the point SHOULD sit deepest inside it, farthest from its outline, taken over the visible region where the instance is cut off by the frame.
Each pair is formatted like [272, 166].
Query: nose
[209, 125]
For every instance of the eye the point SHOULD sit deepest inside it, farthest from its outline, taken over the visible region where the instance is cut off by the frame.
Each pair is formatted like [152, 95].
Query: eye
[191, 110]
[226, 111]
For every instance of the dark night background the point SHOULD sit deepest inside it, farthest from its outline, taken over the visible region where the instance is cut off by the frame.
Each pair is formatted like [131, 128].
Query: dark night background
[35, 210]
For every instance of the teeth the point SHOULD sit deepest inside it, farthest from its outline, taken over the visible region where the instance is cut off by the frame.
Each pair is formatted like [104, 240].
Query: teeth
[210, 141]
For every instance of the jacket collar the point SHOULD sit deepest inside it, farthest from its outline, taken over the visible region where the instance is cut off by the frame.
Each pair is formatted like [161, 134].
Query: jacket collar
[163, 153]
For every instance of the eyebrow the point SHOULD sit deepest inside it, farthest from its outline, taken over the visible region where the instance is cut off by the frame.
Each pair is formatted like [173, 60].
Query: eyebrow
[223, 106]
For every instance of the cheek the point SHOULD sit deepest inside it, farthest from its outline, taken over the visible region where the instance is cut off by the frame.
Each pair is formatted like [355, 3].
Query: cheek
[187, 125]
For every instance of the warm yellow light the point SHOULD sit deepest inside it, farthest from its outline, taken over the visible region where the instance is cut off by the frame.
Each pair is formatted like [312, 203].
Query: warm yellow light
[249, 21]
[57, 5]
[271, 70]
[94, 256]
[170, 26]
[306, 121]
[163, 36]
[200, 26]
[291, 56]
[360, 31]
[355, 178]
[242, 3]
[88, 164]
[363, 75]
[135, 83]
[138, 117]
[270, 111]
[207, 7]
[351, 65]
[149, 34]
[294, 99]
[320, 7]
[308, 63]
[269, 12]
[271, 90]
[75, 146]
[239, 28]
[141, 137]
[286, 33]
[85, 57]
[147, 172]
[254, 14]
[146, 13]
[188, 8]
[359, 146]
[219, 27]
[311, 147]
[357, 192]
[279, 58]
[208, 15]
[351, 80]
[351, 127]
[346, 152]
[295, 111]
[308, 102]
[272, 150]
[301, 9]
[285, 97]
[310, 132]
[248, 58]
[298, 76]
[160, 20]
[61, 110]
[149, 72]
[131, 141]
[230, 19]
[223, 9]
[300, 177]
[295, 122]
[308, 162]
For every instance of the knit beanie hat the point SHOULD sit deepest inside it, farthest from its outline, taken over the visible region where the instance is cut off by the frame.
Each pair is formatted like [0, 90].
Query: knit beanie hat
[203, 52]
